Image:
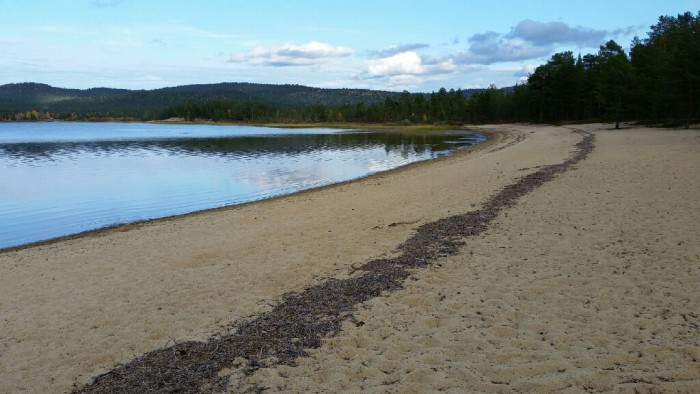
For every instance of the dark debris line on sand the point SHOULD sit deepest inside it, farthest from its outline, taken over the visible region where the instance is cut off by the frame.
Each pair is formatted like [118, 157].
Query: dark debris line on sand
[302, 319]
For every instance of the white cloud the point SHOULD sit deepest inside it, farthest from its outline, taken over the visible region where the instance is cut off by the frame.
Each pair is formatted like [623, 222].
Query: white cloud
[409, 63]
[311, 53]
[406, 63]
[407, 70]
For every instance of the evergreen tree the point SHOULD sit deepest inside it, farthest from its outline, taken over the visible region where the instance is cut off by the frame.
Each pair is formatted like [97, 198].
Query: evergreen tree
[616, 80]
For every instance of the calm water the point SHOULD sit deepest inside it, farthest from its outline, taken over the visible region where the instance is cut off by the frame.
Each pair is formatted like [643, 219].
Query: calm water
[63, 178]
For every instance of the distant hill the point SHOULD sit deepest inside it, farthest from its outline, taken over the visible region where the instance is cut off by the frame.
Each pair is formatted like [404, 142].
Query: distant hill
[27, 96]
[20, 97]
[122, 102]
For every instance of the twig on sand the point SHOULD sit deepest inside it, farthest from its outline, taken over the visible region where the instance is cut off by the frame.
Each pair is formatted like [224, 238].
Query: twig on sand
[405, 223]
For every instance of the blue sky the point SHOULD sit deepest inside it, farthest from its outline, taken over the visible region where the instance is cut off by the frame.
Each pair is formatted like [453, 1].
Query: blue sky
[378, 44]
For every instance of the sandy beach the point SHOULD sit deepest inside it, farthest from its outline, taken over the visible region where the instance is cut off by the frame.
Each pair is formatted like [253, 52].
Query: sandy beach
[590, 282]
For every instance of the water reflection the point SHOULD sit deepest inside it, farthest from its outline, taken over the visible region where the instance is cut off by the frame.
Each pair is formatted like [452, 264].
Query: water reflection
[53, 186]
[240, 147]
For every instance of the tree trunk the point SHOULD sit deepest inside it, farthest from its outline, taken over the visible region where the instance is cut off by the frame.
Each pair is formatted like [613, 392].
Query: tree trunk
[689, 113]
[542, 106]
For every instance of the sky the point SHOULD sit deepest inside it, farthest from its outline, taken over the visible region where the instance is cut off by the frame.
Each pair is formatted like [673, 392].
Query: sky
[396, 45]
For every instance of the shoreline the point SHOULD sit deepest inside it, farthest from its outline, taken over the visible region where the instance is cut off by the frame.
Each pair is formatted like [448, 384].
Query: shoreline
[585, 282]
[118, 227]
[333, 125]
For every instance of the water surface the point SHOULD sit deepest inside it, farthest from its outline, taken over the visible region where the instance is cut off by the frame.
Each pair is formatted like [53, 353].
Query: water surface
[58, 178]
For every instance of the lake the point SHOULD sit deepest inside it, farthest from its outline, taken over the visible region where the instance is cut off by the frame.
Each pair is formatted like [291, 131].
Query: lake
[58, 178]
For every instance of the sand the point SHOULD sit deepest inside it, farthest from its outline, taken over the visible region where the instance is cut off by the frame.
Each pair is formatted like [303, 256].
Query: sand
[590, 282]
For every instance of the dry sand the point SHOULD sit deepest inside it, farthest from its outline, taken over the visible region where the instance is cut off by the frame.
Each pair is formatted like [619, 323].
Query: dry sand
[592, 282]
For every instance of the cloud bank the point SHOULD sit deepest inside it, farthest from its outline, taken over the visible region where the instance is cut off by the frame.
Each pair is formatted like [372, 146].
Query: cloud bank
[547, 33]
[491, 47]
[409, 65]
[529, 40]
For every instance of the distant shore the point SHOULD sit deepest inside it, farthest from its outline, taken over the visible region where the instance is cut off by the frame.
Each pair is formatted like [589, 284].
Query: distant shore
[387, 126]
[333, 125]
[588, 282]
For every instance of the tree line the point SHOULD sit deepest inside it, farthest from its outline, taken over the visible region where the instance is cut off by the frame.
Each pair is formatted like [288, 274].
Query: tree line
[657, 81]
[441, 106]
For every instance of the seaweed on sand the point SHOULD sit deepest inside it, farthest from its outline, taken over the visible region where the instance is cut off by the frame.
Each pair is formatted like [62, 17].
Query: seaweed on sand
[300, 320]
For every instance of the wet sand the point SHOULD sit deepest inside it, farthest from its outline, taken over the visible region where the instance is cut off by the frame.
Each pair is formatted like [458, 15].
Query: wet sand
[590, 281]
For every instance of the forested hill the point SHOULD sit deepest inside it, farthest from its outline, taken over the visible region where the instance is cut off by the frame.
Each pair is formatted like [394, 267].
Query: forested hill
[23, 97]
[37, 96]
